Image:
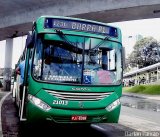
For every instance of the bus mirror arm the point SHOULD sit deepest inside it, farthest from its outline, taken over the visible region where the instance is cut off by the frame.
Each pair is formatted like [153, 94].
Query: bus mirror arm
[30, 40]
[59, 31]
[123, 57]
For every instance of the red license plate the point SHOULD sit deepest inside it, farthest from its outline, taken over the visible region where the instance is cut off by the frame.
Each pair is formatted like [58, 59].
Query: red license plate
[79, 118]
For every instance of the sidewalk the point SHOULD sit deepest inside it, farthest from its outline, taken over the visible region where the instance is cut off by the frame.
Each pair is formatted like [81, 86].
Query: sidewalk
[2, 92]
[9, 117]
[144, 96]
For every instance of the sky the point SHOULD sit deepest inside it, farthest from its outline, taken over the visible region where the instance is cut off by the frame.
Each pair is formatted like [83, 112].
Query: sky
[130, 29]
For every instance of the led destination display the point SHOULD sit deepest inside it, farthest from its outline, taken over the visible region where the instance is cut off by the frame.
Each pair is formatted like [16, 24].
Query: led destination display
[80, 26]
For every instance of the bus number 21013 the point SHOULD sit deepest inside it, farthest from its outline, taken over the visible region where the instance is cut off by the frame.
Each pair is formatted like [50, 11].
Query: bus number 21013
[60, 102]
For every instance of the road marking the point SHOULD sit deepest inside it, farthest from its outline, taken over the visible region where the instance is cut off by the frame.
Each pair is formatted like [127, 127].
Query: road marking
[1, 102]
[97, 127]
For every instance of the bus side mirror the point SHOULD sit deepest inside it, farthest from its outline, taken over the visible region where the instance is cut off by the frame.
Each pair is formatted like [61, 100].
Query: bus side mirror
[123, 57]
[30, 40]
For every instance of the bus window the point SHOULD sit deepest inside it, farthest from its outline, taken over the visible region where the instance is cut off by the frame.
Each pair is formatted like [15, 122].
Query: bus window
[100, 66]
[37, 62]
[57, 62]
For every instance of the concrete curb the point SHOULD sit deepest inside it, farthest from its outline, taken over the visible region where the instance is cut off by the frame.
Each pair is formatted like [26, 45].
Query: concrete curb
[1, 102]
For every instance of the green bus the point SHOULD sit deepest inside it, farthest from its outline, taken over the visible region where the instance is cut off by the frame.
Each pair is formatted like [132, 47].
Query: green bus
[73, 72]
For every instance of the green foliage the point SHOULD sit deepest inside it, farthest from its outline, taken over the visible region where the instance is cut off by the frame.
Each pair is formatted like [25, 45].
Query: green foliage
[144, 42]
[152, 89]
[136, 89]
[125, 89]
[144, 89]
[146, 52]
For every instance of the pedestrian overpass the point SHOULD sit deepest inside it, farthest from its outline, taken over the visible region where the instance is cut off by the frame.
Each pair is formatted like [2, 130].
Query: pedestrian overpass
[146, 75]
[17, 16]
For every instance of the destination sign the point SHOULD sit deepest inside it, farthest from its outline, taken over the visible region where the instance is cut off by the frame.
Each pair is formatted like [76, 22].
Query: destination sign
[80, 26]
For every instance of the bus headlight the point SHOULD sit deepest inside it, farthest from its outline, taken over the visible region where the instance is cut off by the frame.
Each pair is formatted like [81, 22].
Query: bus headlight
[39, 103]
[113, 105]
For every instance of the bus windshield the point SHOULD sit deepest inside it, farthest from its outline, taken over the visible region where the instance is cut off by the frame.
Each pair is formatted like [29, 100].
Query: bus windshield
[77, 60]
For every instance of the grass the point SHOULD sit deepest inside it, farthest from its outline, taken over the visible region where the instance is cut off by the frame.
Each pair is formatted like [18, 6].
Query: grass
[144, 89]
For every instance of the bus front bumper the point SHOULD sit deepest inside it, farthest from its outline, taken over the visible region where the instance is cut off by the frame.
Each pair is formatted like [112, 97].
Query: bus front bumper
[55, 115]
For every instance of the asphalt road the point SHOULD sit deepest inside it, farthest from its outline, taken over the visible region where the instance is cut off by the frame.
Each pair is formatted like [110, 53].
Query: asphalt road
[141, 103]
[140, 114]
[131, 119]
[12, 127]
[141, 120]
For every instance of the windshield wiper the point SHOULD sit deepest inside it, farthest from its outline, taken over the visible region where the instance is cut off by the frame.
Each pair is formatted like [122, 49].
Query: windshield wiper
[63, 37]
[74, 47]
[100, 43]
[94, 50]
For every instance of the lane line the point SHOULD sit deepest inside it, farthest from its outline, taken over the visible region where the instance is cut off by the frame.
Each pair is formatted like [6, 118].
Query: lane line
[1, 103]
[98, 127]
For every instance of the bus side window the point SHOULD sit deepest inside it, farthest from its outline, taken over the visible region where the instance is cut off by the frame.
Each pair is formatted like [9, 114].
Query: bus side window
[30, 59]
[37, 59]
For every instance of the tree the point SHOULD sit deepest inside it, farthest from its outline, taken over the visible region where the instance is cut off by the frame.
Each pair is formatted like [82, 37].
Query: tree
[146, 52]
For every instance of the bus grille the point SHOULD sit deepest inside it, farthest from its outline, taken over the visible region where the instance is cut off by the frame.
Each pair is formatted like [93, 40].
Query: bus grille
[80, 96]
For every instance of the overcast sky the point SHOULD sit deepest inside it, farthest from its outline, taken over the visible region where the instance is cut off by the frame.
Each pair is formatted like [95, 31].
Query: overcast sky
[148, 27]
[130, 29]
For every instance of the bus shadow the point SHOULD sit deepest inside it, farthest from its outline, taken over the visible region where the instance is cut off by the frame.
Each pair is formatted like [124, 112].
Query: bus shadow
[50, 130]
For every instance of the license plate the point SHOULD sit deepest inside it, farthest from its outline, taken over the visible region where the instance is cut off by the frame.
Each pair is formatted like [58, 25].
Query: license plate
[79, 118]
